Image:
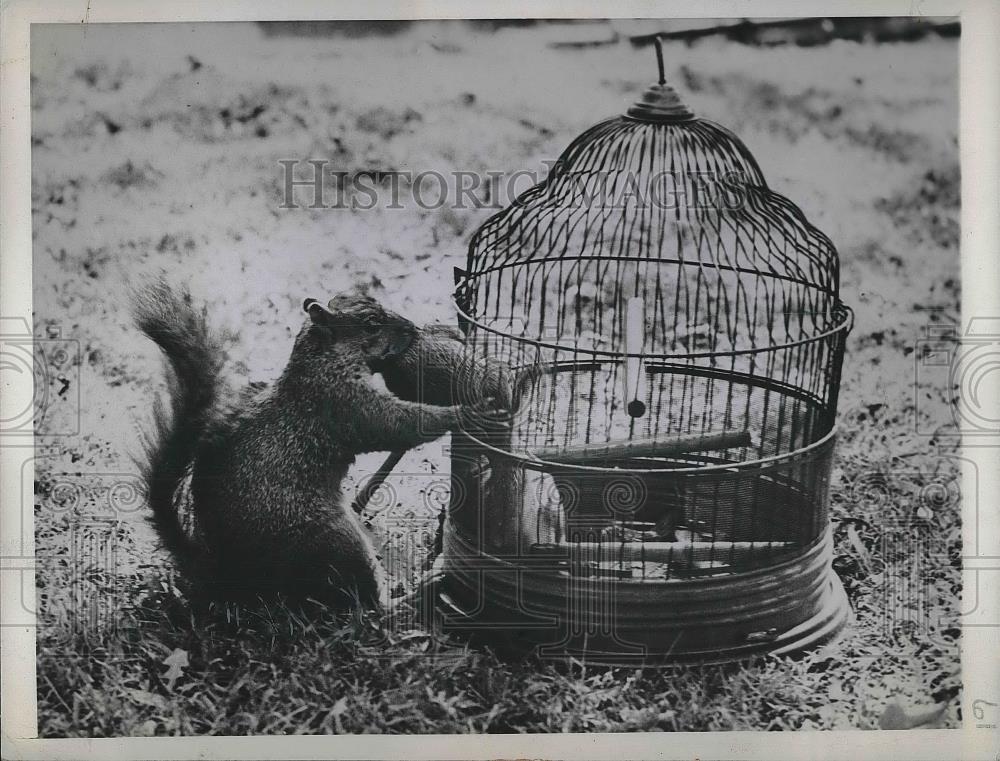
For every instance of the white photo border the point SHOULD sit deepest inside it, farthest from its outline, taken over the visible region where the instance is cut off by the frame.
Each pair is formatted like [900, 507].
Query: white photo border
[980, 250]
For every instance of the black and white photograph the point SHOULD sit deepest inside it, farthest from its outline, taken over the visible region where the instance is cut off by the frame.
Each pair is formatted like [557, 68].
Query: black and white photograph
[478, 376]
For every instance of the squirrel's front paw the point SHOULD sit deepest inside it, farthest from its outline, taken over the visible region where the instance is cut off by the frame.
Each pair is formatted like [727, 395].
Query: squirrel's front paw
[485, 416]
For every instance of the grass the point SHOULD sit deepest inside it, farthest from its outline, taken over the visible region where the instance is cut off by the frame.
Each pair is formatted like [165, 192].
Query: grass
[160, 151]
[277, 672]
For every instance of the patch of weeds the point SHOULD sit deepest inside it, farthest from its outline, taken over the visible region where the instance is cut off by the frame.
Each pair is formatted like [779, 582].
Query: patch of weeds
[387, 123]
[897, 144]
[102, 77]
[128, 175]
[929, 208]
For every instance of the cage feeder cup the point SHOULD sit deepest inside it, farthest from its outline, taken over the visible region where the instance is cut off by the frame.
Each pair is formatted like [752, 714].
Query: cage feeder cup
[635, 370]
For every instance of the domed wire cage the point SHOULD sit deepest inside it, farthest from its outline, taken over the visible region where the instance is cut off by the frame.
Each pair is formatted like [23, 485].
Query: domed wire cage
[663, 491]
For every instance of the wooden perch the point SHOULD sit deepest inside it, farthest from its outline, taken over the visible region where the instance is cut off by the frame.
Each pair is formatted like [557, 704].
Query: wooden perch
[643, 447]
[660, 552]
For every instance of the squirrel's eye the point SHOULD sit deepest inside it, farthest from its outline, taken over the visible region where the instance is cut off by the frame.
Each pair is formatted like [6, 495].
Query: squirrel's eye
[372, 329]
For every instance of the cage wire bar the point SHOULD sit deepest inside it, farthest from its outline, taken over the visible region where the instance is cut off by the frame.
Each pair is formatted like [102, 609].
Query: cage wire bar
[684, 333]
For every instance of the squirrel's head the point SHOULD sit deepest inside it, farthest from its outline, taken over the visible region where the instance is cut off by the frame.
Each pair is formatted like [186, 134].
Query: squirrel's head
[361, 323]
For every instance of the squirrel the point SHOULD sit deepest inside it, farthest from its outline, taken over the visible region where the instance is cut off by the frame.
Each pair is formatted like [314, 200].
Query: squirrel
[440, 368]
[265, 464]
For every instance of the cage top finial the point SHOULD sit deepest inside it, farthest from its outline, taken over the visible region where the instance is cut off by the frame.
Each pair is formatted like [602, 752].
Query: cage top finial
[660, 102]
[659, 60]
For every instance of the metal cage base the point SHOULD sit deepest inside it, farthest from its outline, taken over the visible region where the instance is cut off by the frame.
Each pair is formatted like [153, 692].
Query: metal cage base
[781, 609]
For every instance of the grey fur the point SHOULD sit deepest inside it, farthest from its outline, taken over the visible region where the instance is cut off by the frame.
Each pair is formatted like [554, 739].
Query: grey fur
[266, 464]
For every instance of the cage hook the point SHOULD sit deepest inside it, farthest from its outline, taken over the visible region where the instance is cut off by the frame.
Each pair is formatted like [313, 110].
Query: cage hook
[660, 103]
[658, 44]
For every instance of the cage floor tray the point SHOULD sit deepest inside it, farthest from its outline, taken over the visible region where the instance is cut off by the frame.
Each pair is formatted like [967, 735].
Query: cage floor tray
[802, 605]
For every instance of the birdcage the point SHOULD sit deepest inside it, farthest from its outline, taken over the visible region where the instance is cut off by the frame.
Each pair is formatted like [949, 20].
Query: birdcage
[677, 332]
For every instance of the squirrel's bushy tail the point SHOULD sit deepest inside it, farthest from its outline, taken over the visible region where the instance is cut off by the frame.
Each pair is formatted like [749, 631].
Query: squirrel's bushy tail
[195, 357]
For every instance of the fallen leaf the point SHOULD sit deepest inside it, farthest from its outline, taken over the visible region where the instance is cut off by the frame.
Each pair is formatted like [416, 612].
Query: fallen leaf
[836, 690]
[338, 709]
[896, 716]
[147, 698]
[176, 662]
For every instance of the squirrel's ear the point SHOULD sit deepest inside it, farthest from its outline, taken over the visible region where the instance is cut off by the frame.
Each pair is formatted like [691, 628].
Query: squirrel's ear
[316, 311]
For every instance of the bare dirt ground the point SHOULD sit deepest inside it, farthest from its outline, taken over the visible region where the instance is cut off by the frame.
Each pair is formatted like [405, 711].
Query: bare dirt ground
[156, 148]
